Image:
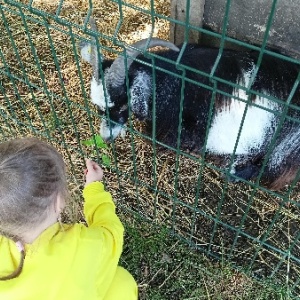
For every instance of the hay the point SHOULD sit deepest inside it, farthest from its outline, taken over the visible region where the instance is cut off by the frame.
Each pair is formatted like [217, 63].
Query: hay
[143, 183]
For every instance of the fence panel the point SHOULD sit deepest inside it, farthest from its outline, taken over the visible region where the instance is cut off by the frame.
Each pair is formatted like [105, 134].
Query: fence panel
[45, 90]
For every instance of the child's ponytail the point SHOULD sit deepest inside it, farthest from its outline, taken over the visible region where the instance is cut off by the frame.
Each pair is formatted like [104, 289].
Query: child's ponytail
[18, 271]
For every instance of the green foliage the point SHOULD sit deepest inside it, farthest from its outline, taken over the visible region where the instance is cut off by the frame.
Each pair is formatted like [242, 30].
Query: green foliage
[165, 268]
[98, 142]
[95, 140]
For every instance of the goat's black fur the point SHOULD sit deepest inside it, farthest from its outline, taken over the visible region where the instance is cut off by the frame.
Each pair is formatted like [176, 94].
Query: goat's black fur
[275, 78]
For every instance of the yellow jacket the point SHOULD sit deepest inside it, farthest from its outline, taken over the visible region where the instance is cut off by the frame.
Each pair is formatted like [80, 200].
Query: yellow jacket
[70, 263]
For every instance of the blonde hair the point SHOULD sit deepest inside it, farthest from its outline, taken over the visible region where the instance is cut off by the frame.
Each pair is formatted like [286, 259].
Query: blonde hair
[32, 175]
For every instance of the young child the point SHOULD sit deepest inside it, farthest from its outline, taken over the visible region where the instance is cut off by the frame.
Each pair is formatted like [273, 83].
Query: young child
[40, 258]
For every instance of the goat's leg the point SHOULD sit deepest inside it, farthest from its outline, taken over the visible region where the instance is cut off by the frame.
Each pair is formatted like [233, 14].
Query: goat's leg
[244, 167]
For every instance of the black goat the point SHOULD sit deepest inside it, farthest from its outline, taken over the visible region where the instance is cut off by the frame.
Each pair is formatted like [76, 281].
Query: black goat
[253, 115]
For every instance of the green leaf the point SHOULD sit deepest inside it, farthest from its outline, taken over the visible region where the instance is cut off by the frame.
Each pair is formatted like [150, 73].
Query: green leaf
[89, 142]
[99, 142]
[105, 160]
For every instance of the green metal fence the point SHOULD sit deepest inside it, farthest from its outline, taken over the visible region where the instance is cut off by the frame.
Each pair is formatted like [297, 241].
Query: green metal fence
[44, 92]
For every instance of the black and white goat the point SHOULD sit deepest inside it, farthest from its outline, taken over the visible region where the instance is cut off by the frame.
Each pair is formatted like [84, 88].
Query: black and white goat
[255, 123]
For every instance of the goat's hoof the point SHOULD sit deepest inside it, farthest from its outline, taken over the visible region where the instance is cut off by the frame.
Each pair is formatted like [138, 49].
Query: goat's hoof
[245, 172]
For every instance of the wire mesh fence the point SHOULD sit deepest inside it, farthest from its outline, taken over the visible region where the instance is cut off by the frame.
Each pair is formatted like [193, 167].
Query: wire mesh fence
[45, 92]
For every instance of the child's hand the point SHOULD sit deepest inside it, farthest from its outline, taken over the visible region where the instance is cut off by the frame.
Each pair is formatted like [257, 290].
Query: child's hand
[93, 172]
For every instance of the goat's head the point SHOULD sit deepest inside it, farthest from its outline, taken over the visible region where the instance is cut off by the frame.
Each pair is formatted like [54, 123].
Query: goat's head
[110, 93]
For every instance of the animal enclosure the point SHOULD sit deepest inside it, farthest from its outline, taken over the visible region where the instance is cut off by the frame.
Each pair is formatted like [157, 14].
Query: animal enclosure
[45, 91]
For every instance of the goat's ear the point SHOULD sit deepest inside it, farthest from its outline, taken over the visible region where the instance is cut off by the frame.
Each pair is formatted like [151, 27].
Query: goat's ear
[140, 93]
[85, 51]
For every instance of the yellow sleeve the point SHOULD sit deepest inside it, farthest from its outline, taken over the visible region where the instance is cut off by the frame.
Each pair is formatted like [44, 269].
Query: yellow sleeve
[100, 213]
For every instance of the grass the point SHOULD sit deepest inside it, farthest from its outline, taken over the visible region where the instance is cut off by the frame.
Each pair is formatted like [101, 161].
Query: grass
[165, 268]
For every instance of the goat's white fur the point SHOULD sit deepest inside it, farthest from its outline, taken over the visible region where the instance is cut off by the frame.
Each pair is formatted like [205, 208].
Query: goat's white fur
[223, 133]
[98, 95]
[288, 145]
[226, 123]
[86, 53]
